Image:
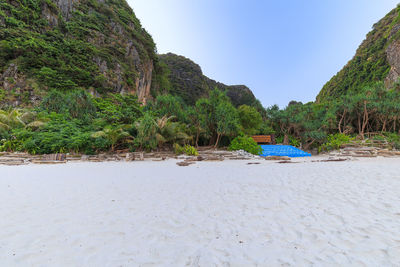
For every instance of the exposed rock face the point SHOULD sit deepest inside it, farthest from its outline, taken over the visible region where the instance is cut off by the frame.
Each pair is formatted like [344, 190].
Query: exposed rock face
[143, 83]
[12, 80]
[186, 77]
[240, 94]
[66, 7]
[50, 16]
[115, 53]
[393, 57]
[96, 45]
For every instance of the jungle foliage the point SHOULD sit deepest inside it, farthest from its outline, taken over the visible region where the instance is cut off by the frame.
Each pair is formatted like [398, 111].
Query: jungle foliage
[374, 109]
[76, 122]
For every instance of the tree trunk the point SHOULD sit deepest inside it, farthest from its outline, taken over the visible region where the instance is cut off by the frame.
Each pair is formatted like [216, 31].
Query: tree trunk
[384, 126]
[365, 120]
[218, 138]
[340, 122]
[308, 144]
[286, 140]
[197, 139]
[213, 139]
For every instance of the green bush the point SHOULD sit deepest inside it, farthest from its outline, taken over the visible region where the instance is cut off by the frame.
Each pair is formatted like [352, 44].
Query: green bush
[77, 103]
[58, 135]
[187, 150]
[378, 138]
[169, 105]
[335, 141]
[393, 139]
[117, 108]
[250, 119]
[245, 143]
[146, 127]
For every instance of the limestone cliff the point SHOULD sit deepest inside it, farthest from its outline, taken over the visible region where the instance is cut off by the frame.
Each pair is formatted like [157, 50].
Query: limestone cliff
[376, 60]
[65, 44]
[393, 58]
[189, 82]
[97, 45]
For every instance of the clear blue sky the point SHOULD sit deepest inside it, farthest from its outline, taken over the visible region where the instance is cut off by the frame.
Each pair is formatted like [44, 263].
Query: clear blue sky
[283, 50]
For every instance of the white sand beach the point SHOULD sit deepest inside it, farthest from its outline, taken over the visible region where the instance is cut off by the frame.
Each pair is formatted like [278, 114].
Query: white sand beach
[208, 214]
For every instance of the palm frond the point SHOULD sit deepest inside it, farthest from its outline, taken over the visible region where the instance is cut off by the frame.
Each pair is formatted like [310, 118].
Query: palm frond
[98, 134]
[36, 124]
[4, 127]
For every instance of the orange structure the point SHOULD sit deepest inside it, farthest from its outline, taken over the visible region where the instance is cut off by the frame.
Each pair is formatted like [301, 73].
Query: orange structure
[264, 139]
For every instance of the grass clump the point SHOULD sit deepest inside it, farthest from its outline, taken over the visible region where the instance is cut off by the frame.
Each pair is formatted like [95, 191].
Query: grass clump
[186, 149]
[335, 141]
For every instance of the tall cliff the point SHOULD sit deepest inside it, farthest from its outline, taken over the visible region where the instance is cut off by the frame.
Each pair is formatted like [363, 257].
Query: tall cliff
[188, 81]
[377, 59]
[98, 45]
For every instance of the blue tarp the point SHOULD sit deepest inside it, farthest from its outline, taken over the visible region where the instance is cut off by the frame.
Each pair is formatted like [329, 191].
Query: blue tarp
[280, 150]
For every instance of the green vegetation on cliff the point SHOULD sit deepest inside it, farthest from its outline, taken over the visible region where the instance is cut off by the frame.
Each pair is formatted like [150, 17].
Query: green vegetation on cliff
[99, 46]
[187, 81]
[370, 63]
[52, 45]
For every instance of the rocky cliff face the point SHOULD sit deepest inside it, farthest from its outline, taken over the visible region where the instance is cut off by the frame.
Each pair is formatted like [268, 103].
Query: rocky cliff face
[66, 7]
[66, 44]
[189, 82]
[376, 60]
[393, 58]
[97, 45]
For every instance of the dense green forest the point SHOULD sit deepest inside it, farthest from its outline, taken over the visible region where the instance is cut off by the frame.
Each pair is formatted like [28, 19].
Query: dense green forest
[373, 110]
[89, 80]
[77, 122]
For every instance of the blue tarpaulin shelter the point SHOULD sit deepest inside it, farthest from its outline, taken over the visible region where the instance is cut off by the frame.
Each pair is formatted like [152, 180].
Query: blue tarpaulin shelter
[281, 150]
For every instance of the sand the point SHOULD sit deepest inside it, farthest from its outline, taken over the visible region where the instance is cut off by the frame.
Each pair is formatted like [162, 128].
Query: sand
[208, 214]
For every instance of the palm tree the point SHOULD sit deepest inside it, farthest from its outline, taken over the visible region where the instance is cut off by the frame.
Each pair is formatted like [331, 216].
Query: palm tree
[169, 131]
[146, 132]
[115, 135]
[11, 119]
[153, 132]
[17, 118]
